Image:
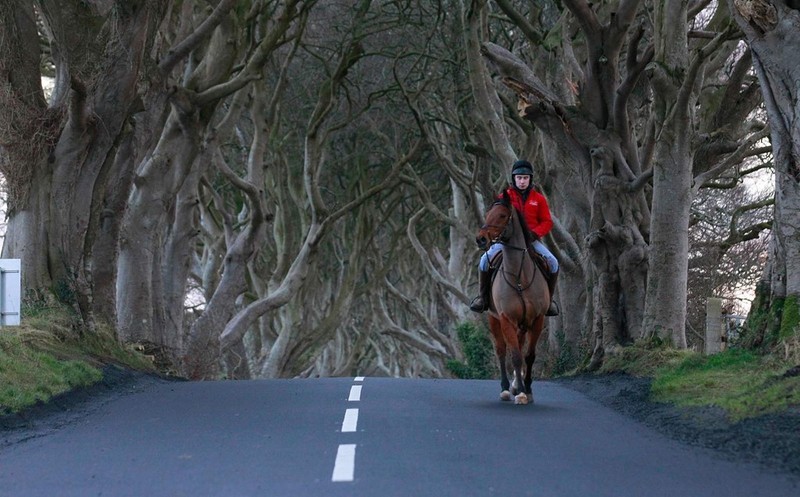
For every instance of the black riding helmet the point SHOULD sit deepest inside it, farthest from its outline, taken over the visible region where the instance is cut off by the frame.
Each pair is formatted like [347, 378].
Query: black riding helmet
[521, 167]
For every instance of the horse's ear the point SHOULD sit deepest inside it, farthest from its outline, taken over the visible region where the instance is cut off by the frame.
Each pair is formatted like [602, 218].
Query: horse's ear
[506, 198]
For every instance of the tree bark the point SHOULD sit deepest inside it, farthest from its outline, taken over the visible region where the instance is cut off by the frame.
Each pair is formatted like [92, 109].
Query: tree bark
[771, 27]
[140, 306]
[665, 306]
[59, 186]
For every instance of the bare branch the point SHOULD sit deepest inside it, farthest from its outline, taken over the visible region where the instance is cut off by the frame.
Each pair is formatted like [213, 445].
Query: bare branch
[587, 19]
[520, 21]
[437, 276]
[252, 70]
[730, 161]
[176, 54]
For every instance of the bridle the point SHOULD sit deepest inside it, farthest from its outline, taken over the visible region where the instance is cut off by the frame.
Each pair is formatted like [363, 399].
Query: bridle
[501, 236]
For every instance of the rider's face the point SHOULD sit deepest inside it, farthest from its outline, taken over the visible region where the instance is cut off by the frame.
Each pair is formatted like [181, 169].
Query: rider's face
[522, 181]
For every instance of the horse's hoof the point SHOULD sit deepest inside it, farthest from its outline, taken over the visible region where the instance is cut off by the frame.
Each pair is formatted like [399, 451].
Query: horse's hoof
[530, 398]
[521, 399]
[505, 395]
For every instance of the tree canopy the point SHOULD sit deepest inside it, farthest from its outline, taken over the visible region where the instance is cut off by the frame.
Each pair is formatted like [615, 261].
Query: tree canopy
[278, 188]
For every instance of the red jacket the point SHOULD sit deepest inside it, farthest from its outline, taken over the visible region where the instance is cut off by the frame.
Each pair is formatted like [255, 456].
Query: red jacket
[534, 209]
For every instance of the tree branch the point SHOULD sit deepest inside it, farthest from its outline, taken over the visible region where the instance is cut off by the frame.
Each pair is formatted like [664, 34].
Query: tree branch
[731, 160]
[420, 250]
[535, 37]
[176, 54]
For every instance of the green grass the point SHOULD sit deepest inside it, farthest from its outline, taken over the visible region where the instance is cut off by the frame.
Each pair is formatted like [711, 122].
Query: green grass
[28, 376]
[744, 384]
[47, 356]
[643, 359]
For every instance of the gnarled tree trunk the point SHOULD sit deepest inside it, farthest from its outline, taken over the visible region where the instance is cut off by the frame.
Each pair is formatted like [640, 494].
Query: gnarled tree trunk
[772, 33]
[59, 180]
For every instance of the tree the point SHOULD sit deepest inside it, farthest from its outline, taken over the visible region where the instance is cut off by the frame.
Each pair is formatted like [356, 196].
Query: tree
[632, 119]
[727, 248]
[61, 157]
[281, 188]
[772, 35]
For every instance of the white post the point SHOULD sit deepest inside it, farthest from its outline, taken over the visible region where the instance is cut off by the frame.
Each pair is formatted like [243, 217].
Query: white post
[10, 292]
[715, 327]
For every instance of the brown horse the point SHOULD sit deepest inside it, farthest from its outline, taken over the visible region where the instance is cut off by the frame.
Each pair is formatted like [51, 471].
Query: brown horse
[519, 300]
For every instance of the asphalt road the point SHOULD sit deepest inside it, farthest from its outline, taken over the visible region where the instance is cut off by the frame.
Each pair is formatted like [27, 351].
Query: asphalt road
[365, 437]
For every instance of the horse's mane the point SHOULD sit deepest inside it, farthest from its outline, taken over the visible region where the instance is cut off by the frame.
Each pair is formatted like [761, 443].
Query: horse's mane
[525, 230]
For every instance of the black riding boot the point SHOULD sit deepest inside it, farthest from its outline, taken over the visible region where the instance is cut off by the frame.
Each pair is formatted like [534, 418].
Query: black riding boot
[481, 302]
[551, 285]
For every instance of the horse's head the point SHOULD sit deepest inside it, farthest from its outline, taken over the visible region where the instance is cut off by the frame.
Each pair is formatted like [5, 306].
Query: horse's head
[496, 226]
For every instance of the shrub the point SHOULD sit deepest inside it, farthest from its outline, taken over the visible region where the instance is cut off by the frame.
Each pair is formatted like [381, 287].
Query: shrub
[478, 351]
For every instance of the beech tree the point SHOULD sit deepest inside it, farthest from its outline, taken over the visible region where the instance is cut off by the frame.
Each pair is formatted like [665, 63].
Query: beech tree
[281, 188]
[61, 159]
[619, 112]
[772, 35]
[200, 60]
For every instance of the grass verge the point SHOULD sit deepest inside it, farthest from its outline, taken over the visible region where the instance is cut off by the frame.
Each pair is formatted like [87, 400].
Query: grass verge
[46, 356]
[743, 383]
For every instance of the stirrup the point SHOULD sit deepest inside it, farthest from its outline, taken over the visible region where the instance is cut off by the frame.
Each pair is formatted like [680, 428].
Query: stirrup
[553, 310]
[478, 305]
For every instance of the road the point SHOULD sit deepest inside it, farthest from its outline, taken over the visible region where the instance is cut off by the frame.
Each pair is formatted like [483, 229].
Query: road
[366, 437]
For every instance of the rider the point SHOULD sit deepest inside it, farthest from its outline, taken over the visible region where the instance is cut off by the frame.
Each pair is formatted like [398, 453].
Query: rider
[533, 207]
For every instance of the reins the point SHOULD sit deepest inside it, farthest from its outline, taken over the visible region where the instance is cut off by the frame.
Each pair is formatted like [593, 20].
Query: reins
[518, 287]
[525, 250]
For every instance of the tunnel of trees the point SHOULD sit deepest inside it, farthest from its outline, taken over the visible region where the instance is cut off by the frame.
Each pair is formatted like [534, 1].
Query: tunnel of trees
[270, 188]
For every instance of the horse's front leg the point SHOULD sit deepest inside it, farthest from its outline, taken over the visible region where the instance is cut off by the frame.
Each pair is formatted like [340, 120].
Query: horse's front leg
[495, 328]
[505, 384]
[520, 397]
[529, 359]
[510, 332]
[530, 356]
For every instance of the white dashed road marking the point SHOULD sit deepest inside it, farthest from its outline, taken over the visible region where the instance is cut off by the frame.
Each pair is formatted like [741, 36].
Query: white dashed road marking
[350, 421]
[345, 464]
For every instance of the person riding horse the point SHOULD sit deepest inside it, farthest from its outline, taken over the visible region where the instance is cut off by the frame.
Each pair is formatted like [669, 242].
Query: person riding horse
[534, 209]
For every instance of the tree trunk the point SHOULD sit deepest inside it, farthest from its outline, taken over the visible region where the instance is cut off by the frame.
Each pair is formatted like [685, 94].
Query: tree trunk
[160, 226]
[486, 100]
[665, 313]
[141, 304]
[57, 203]
[665, 305]
[105, 251]
[773, 36]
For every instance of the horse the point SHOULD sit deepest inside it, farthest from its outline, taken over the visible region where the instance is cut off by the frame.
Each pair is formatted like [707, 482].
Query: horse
[519, 297]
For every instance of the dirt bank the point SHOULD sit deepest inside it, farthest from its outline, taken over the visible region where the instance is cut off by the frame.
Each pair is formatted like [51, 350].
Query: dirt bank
[772, 440]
